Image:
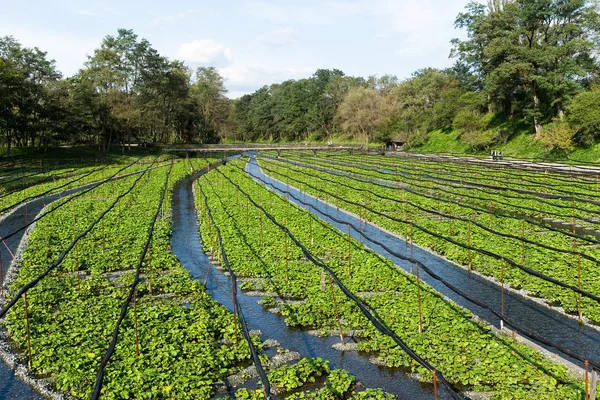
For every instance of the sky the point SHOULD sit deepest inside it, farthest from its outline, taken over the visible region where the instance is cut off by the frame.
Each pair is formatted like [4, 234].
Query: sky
[252, 43]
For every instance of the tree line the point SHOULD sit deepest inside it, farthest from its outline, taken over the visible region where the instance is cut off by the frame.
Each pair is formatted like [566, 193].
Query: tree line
[525, 65]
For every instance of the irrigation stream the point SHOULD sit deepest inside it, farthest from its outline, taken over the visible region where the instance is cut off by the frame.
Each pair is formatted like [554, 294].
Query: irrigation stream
[187, 246]
[547, 322]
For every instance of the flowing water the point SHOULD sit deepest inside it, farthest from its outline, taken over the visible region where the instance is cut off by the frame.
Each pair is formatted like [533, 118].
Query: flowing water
[187, 246]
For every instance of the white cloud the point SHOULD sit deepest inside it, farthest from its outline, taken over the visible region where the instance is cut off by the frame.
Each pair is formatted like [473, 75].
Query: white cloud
[205, 51]
[279, 37]
[88, 13]
[242, 79]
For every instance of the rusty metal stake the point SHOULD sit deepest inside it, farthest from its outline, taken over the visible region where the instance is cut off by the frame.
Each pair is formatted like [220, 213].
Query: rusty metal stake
[419, 300]
[587, 388]
[7, 248]
[469, 246]
[579, 287]
[287, 262]
[522, 242]
[349, 254]
[337, 314]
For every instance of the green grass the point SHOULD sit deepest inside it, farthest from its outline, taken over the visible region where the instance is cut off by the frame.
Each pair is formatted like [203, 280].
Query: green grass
[442, 142]
[520, 145]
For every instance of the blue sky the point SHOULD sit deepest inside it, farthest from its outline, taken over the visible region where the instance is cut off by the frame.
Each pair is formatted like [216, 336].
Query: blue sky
[253, 43]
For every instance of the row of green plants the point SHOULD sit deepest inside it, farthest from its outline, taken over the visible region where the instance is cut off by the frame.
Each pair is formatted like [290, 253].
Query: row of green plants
[493, 174]
[567, 268]
[466, 352]
[516, 209]
[12, 182]
[533, 204]
[81, 177]
[477, 173]
[186, 341]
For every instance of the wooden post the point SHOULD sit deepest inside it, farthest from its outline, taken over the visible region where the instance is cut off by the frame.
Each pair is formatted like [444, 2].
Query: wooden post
[137, 345]
[335, 307]
[310, 226]
[287, 262]
[579, 287]
[469, 245]
[522, 242]
[349, 254]
[587, 386]
[419, 300]
[411, 248]
[27, 330]
[573, 211]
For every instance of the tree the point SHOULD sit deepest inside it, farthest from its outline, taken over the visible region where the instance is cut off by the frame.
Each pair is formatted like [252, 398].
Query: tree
[584, 115]
[26, 78]
[363, 111]
[539, 53]
[425, 102]
[208, 97]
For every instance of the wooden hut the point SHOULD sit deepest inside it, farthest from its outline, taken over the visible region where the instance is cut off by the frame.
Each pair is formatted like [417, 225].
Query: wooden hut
[396, 143]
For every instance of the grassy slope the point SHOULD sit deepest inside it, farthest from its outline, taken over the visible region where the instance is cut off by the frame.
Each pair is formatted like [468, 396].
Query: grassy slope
[521, 145]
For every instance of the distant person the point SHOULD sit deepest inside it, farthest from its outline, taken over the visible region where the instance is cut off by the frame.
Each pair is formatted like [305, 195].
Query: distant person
[491, 154]
[500, 155]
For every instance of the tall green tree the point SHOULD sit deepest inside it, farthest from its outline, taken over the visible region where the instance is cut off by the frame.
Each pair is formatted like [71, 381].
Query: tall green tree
[537, 53]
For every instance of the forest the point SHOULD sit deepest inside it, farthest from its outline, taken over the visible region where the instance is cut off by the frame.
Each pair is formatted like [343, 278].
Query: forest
[524, 66]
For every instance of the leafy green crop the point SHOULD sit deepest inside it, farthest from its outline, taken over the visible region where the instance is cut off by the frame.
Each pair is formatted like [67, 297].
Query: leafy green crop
[466, 352]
